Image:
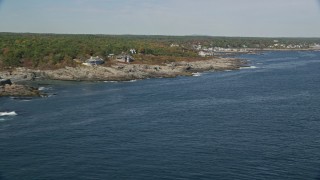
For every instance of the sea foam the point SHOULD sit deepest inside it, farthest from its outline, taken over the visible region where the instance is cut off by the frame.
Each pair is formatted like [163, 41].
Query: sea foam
[12, 113]
[249, 67]
[44, 88]
[196, 74]
[133, 80]
[41, 88]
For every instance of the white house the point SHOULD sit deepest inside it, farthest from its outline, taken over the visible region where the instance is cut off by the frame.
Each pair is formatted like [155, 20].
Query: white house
[125, 58]
[316, 46]
[93, 61]
[205, 53]
[174, 45]
[202, 53]
[133, 51]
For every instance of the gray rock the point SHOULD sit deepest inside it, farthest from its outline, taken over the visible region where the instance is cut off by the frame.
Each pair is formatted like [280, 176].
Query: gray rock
[5, 81]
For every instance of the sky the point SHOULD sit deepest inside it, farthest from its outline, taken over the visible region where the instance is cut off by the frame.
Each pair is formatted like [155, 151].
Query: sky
[245, 18]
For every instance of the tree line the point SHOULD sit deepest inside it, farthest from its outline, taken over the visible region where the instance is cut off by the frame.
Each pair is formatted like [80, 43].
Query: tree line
[58, 50]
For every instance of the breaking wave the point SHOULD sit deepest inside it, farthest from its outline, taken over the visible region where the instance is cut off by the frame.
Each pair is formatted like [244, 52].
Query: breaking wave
[196, 74]
[12, 113]
[44, 88]
[41, 88]
[249, 67]
[134, 80]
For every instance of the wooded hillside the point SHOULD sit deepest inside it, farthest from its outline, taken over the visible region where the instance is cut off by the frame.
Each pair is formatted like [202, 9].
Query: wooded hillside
[53, 50]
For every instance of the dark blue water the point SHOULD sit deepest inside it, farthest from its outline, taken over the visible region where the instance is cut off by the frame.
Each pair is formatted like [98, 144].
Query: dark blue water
[256, 123]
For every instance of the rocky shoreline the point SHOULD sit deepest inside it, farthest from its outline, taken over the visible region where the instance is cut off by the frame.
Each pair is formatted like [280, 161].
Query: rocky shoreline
[116, 72]
[7, 88]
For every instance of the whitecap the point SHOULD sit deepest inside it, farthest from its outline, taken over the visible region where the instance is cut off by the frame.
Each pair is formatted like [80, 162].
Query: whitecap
[12, 113]
[44, 88]
[41, 88]
[134, 80]
[249, 67]
[25, 100]
[197, 74]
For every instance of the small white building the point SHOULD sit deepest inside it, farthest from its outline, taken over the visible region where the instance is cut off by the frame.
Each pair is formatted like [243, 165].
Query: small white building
[174, 45]
[93, 61]
[202, 53]
[133, 51]
[125, 58]
[205, 53]
[315, 46]
[197, 47]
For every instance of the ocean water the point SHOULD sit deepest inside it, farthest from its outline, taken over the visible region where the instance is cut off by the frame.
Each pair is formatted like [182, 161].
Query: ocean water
[261, 122]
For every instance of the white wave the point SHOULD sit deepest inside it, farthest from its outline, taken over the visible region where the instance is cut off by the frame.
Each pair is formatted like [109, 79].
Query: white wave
[134, 80]
[249, 67]
[44, 88]
[12, 113]
[1, 119]
[197, 74]
[41, 88]
[26, 100]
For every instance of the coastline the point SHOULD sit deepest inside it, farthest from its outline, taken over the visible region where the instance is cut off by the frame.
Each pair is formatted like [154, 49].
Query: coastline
[116, 72]
[122, 71]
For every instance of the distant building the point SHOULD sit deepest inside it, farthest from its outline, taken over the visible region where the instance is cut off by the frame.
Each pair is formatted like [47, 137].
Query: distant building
[202, 53]
[316, 46]
[93, 61]
[133, 51]
[174, 45]
[205, 53]
[125, 58]
[197, 47]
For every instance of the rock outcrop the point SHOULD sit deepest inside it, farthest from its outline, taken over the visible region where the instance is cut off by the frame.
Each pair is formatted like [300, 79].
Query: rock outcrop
[18, 90]
[123, 71]
[18, 74]
[117, 72]
[7, 88]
